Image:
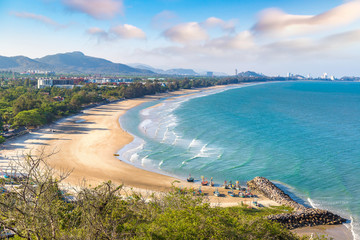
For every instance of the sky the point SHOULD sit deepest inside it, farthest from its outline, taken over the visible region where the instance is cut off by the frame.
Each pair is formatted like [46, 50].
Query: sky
[270, 37]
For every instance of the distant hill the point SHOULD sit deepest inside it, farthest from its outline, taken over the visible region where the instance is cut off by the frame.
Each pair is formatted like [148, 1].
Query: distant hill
[147, 67]
[21, 63]
[73, 62]
[175, 71]
[250, 74]
[181, 71]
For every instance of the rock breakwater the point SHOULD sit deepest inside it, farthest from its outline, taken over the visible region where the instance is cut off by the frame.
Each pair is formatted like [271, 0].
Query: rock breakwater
[302, 215]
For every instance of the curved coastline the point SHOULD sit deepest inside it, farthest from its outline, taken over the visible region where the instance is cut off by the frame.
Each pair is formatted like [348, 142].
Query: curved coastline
[87, 146]
[342, 228]
[138, 141]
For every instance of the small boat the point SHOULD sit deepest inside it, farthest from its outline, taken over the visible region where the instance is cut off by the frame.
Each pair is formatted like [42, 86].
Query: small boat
[116, 154]
[237, 185]
[226, 185]
[217, 193]
[241, 194]
[204, 182]
[231, 193]
[190, 178]
[249, 195]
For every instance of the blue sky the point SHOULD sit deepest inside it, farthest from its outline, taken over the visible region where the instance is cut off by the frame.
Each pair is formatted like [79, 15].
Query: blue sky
[271, 37]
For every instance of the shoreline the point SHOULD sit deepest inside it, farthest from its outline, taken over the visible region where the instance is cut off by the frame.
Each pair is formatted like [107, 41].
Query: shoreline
[87, 142]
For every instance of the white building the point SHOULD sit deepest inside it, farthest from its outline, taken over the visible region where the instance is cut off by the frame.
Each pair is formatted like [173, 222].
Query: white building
[48, 82]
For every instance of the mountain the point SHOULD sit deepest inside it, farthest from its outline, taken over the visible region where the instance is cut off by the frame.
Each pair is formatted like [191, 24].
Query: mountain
[175, 71]
[181, 71]
[21, 63]
[250, 74]
[73, 62]
[147, 67]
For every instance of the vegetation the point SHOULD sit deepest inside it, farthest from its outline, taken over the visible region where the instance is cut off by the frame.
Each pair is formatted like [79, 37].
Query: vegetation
[22, 104]
[37, 209]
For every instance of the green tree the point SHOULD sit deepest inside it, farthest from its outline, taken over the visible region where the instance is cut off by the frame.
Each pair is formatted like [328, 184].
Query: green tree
[29, 118]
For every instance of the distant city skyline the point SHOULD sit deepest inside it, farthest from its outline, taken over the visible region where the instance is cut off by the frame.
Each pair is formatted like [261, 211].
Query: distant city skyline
[269, 37]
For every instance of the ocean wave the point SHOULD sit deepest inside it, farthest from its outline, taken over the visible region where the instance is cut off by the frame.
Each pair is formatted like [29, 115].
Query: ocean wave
[144, 124]
[134, 157]
[194, 143]
[351, 226]
[145, 160]
[312, 204]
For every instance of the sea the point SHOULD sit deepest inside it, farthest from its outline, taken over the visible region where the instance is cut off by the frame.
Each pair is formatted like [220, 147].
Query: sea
[302, 135]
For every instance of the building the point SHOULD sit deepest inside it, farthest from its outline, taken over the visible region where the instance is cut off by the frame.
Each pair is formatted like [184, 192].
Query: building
[48, 82]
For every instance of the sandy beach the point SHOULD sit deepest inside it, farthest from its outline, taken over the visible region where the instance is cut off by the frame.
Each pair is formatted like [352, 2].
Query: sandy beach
[86, 143]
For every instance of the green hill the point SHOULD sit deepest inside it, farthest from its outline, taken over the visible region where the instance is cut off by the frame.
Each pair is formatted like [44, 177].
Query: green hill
[73, 62]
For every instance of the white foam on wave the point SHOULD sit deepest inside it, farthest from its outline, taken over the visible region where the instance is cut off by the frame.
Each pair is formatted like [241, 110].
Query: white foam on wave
[145, 160]
[351, 228]
[176, 139]
[145, 112]
[134, 158]
[144, 124]
[194, 143]
[208, 151]
[156, 132]
[311, 203]
[165, 135]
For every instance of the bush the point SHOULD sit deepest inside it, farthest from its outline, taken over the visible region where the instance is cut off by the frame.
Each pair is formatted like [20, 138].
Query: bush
[39, 210]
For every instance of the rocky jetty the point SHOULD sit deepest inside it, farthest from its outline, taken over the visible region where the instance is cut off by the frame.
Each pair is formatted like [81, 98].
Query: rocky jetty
[302, 215]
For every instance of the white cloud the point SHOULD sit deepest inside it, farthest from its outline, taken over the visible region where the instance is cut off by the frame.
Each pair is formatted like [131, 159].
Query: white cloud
[125, 31]
[186, 33]
[276, 22]
[212, 22]
[39, 18]
[128, 31]
[99, 9]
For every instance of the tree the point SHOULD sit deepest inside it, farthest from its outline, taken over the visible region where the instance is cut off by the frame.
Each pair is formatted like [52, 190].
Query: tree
[32, 209]
[29, 118]
[37, 209]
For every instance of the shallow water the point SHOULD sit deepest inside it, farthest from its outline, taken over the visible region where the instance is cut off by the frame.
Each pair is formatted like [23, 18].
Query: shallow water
[304, 135]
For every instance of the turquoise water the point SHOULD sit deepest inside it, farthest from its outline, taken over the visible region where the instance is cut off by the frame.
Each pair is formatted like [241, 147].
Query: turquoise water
[303, 135]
